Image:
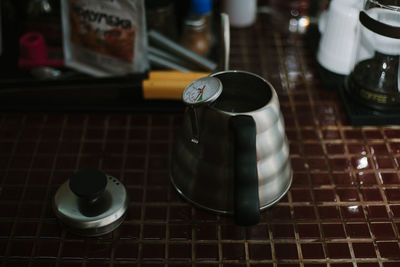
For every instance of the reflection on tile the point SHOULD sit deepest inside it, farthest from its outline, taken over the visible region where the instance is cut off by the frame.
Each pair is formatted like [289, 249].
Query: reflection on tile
[338, 250]
[286, 251]
[73, 250]
[259, 251]
[360, 163]
[233, 251]
[312, 251]
[353, 212]
[348, 195]
[368, 264]
[392, 194]
[371, 194]
[153, 231]
[378, 149]
[358, 230]
[308, 231]
[389, 250]
[339, 164]
[388, 178]
[206, 252]
[300, 179]
[304, 213]
[344, 179]
[282, 231]
[320, 179]
[301, 195]
[366, 178]
[313, 149]
[395, 209]
[331, 134]
[20, 248]
[279, 213]
[329, 212]
[126, 251]
[205, 231]
[153, 252]
[25, 230]
[98, 250]
[180, 252]
[383, 231]
[357, 149]
[395, 147]
[333, 231]
[335, 149]
[128, 231]
[364, 250]
[382, 162]
[180, 231]
[317, 164]
[258, 232]
[377, 212]
[353, 134]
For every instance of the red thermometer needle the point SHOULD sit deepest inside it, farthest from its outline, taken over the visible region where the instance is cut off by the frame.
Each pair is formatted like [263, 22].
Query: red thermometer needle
[200, 93]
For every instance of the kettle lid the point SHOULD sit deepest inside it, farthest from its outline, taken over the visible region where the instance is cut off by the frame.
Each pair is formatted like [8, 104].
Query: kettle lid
[91, 203]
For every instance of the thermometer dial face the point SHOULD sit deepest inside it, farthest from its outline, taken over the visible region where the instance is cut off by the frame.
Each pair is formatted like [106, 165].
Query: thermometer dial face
[203, 90]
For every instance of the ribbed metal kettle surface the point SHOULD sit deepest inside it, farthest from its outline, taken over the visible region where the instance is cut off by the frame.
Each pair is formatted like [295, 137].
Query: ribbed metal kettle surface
[203, 173]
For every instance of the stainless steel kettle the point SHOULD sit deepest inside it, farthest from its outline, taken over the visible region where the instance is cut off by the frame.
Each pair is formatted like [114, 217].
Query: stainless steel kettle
[232, 155]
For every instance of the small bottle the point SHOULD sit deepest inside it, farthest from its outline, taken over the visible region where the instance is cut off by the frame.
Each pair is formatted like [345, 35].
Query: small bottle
[196, 33]
[160, 16]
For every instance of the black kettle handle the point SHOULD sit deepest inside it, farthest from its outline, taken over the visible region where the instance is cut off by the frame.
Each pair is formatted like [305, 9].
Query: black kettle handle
[246, 200]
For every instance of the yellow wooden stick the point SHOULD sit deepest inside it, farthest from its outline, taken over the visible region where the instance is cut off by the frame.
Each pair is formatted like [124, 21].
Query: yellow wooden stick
[164, 89]
[168, 84]
[176, 75]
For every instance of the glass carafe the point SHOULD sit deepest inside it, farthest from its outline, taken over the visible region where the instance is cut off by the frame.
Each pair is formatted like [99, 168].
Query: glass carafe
[374, 80]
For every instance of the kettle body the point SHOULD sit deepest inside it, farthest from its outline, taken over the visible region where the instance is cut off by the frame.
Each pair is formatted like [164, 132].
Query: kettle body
[241, 162]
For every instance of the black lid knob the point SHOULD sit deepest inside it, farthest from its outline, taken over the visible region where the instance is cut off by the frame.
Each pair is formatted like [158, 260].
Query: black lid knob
[88, 184]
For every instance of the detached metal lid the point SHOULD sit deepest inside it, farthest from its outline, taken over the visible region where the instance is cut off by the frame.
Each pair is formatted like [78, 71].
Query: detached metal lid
[91, 203]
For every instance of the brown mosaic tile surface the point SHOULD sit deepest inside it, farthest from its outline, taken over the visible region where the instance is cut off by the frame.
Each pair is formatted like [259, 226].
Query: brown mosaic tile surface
[343, 209]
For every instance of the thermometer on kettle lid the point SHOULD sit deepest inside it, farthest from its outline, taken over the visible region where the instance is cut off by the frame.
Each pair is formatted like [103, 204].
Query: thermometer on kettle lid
[202, 91]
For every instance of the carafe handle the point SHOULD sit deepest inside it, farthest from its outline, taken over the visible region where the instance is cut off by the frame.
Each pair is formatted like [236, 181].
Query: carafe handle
[246, 200]
[379, 27]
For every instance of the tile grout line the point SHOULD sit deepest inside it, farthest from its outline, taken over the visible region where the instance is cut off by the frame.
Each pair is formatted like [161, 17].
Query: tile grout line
[261, 44]
[48, 190]
[13, 152]
[279, 47]
[364, 206]
[20, 201]
[82, 142]
[104, 128]
[219, 244]
[193, 240]
[384, 198]
[326, 158]
[341, 129]
[167, 219]
[116, 238]
[145, 181]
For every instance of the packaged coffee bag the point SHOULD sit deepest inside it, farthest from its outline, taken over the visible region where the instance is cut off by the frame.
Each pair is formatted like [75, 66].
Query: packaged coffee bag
[105, 37]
